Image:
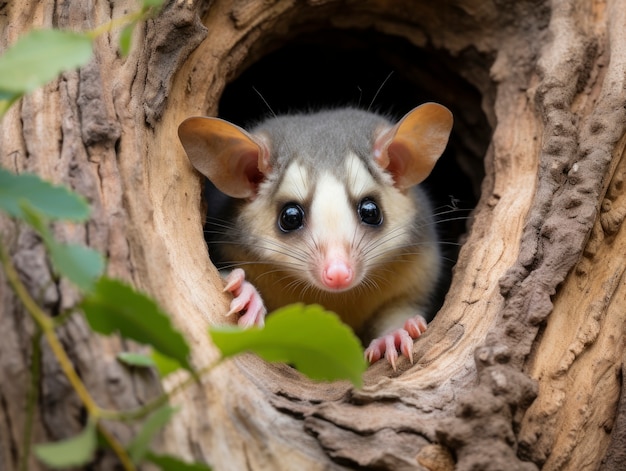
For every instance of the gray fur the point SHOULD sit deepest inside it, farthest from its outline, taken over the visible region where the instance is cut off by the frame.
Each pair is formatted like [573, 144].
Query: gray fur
[321, 140]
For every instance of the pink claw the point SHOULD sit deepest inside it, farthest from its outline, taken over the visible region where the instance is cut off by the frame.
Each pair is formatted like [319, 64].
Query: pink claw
[400, 340]
[415, 326]
[245, 298]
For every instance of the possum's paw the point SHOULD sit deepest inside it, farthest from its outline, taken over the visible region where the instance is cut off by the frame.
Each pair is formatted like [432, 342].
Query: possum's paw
[245, 298]
[400, 340]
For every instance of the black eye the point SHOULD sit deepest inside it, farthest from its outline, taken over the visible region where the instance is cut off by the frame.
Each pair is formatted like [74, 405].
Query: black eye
[291, 217]
[369, 212]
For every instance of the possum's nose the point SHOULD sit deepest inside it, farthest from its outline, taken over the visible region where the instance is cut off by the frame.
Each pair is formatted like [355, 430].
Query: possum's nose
[337, 275]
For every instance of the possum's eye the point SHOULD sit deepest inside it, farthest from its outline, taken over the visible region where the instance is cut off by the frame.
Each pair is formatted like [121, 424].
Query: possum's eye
[369, 212]
[291, 217]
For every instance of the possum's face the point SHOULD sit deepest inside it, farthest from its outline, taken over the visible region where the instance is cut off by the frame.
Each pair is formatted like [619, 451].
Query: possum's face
[333, 229]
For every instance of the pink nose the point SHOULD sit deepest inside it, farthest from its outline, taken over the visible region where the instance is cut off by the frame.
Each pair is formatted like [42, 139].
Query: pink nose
[337, 275]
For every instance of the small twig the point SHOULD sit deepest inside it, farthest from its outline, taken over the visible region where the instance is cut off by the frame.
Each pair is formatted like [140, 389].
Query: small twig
[117, 448]
[46, 324]
[32, 397]
[63, 317]
[118, 22]
[141, 412]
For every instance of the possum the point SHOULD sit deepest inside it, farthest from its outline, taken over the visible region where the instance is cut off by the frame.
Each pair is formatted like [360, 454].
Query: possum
[326, 208]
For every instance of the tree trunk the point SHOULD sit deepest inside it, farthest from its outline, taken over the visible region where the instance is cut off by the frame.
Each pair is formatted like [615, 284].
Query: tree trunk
[523, 366]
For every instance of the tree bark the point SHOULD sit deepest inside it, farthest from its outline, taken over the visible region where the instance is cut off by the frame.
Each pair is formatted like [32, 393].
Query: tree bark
[523, 366]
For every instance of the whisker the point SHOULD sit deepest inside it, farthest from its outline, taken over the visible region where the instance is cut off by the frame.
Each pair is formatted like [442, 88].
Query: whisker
[265, 243]
[378, 91]
[277, 249]
[264, 101]
[436, 213]
[229, 265]
[440, 221]
[390, 236]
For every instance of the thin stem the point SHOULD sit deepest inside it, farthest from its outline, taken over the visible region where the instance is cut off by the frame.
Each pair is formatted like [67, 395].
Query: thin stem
[70, 373]
[32, 397]
[116, 23]
[46, 324]
[117, 448]
[63, 317]
[141, 412]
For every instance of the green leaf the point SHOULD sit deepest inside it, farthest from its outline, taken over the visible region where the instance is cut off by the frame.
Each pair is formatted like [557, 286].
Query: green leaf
[40, 56]
[151, 426]
[152, 3]
[171, 463]
[78, 263]
[73, 452]
[165, 365]
[315, 341]
[7, 96]
[6, 100]
[125, 39]
[55, 202]
[136, 359]
[115, 307]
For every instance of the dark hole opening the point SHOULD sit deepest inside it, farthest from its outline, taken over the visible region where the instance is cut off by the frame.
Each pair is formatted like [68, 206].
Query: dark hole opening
[386, 74]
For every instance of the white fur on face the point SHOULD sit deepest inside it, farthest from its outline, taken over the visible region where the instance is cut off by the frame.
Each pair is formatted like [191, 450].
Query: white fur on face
[295, 185]
[359, 180]
[334, 221]
[332, 226]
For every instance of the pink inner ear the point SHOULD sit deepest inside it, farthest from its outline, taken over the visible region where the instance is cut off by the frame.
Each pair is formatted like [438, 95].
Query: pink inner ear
[251, 170]
[398, 155]
[392, 155]
[380, 148]
[263, 155]
[244, 168]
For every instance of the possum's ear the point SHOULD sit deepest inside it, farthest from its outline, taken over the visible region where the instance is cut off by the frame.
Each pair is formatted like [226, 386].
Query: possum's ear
[234, 160]
[410, 149]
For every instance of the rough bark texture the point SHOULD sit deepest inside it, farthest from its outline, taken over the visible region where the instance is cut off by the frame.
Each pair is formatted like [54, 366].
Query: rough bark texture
[522, 367]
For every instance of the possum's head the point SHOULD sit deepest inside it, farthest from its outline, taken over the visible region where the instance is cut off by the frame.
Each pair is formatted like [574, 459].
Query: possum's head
[329, 197]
